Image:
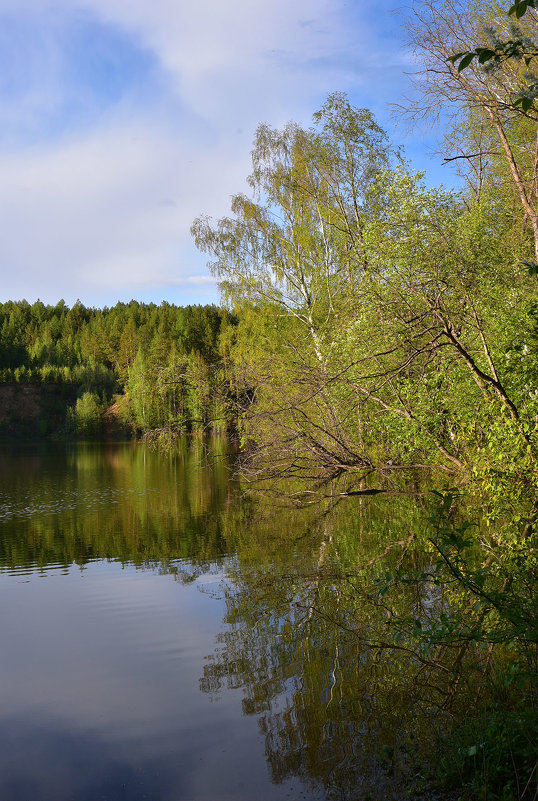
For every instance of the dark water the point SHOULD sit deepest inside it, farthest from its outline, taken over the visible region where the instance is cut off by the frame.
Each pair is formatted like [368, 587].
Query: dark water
[164, 637]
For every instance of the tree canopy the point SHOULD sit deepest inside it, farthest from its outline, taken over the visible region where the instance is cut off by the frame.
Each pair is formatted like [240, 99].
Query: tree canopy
[164, 364]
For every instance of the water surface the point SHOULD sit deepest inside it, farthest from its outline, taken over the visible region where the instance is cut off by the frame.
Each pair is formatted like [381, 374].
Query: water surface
[164, 637]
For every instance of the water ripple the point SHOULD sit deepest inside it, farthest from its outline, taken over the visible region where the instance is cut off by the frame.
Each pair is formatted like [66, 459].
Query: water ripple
[28, 506]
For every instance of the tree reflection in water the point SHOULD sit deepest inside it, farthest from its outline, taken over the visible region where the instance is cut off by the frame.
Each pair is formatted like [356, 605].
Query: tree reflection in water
[304, 644]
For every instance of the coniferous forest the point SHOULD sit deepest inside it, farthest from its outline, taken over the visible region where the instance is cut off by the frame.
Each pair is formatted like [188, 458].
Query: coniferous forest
[124, 370]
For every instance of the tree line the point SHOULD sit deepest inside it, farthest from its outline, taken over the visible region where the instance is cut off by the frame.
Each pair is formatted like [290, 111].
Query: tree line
[161, 367]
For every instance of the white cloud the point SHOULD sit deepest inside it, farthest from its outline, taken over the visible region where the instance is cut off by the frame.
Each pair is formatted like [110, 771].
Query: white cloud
[113, 210]
[246, 55]
[106, 206]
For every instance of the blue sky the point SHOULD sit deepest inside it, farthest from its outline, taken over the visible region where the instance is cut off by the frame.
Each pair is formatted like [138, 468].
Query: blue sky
[123, 120]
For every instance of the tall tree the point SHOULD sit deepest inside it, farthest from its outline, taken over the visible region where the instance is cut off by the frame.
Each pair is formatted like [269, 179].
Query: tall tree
[294, 250]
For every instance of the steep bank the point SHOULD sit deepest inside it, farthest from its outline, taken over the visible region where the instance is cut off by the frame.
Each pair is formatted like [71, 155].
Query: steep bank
[30, 410]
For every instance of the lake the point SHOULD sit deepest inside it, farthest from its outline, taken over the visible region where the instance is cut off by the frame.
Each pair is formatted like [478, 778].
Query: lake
[167, 636]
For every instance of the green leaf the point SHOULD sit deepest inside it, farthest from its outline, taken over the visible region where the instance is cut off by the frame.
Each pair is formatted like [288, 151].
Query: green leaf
[520, 7]
[531, 266]
[388, 752]
[466, 60]
[485, 55]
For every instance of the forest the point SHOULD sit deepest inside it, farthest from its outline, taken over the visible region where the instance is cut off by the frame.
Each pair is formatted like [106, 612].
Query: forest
[383, 322]
[369, 319]
[129, 369]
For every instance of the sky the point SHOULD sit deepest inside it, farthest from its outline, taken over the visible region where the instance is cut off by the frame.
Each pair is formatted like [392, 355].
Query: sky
[123, 120]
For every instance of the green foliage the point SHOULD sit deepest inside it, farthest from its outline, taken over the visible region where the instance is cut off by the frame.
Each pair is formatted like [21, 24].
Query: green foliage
[85, 418]
[521, 49]
[369, 329]
[480, 625]
[166, 358]
[497, 574]
[520, 7]
[492, 755]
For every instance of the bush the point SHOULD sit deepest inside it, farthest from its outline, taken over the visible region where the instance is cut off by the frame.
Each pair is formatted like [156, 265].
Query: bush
[85, 418]
[492, 755]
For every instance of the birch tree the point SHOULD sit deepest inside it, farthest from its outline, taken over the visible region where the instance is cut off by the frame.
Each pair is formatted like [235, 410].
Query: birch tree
[486, 93]
[295, 250]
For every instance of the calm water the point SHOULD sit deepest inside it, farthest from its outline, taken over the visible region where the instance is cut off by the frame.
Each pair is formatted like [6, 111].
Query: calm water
[164, 637]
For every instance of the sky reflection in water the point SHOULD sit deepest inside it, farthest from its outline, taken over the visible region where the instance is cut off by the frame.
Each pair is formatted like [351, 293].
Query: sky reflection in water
[100, 692]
